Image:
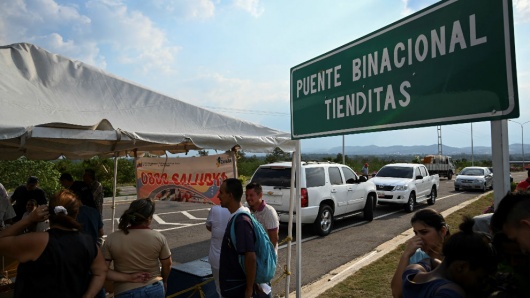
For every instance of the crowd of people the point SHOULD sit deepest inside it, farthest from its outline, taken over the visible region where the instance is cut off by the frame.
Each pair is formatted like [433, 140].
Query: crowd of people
[488, 257]
[60, 249]
[61, 253]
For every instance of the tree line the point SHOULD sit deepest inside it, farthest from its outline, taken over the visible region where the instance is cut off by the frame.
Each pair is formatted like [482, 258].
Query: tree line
[15, 172]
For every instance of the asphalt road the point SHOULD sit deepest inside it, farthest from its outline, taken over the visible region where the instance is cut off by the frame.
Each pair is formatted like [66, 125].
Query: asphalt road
[183, 224]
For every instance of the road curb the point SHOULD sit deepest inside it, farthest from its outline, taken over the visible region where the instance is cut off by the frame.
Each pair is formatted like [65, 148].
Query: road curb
[339, 274]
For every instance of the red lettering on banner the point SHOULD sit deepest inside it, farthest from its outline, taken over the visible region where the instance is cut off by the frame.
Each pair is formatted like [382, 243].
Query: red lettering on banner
[208, 179]
[175, 179]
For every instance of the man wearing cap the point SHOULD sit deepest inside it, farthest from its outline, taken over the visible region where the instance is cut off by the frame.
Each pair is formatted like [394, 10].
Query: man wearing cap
[524, 185]
[26, 192]
[364, 170]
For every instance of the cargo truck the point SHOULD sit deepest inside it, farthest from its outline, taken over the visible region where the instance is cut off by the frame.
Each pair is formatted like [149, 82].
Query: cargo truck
[440, 164]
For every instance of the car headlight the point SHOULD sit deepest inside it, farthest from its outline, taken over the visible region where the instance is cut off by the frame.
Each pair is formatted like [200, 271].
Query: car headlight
[457, 180]
[480, 180]
[401, 187]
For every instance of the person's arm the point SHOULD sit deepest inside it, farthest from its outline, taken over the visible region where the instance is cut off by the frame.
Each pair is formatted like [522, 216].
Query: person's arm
[24, 247]
[166, 269]
[98, 270]
[273, 236]
[250, 271]
[113, 275]
[396, 283]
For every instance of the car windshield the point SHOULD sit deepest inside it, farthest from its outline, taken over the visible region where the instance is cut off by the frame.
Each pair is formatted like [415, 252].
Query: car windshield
[472, 172]
[395, 172]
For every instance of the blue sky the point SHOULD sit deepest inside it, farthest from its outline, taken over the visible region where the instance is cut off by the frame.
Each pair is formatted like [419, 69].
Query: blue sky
[235, 56]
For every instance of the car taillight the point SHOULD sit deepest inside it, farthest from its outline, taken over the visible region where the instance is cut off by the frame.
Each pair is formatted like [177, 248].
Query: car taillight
[304, 202]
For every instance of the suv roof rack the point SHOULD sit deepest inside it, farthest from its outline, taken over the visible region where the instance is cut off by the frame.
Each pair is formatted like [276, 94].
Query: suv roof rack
[306, 162]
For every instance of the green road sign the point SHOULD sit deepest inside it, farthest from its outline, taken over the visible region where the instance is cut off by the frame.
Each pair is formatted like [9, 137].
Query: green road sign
[452, 62]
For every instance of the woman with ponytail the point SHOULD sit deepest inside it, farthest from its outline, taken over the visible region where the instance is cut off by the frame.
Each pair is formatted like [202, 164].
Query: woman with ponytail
[136, 247]
[468, 260]
[61, 262]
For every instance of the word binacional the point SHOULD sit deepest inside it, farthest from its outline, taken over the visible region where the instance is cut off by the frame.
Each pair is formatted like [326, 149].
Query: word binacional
[438, 42]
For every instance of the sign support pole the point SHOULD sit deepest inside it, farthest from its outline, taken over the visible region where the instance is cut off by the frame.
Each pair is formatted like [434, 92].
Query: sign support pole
[500, 159]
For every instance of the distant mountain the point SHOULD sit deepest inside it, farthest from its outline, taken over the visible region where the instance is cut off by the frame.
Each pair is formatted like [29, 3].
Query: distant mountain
[416, 150]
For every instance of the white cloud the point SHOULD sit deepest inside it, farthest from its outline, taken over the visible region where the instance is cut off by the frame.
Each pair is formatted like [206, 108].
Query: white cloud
[182, 9]
[251, 6]
[522, 11]
[219, 90]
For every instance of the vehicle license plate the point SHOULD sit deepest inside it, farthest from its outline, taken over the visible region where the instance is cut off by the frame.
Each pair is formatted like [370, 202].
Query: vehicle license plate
[381, 194]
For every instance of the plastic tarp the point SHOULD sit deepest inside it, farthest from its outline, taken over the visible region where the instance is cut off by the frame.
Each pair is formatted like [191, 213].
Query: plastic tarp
[52, 106]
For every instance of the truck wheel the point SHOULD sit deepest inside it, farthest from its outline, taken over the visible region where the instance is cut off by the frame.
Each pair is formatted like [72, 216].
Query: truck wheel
[368, 211]
[409, 207]
[324, 220]
[432, 196]
[449, 175]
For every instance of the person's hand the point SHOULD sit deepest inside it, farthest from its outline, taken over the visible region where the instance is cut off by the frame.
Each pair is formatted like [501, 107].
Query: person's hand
[140, 277]
[39, 214]
[412, 245]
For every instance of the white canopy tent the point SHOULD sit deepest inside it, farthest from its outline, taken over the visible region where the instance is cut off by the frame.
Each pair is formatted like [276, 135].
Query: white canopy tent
[52, 106]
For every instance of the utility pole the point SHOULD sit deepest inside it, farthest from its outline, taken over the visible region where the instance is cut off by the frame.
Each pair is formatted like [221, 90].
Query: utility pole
[439, 128]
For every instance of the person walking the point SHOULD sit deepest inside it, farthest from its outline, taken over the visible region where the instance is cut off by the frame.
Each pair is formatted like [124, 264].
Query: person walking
[264, 213]
[364, 170]
[234, 281]
[216, 223]
[24, 193]
[267, 216]
[135, 247]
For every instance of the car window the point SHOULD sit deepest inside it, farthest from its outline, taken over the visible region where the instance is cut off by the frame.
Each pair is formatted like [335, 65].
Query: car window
[279, 177]
[423, 171]
[349, 174]
[315, 177]
[473, 172]
[396, 172]
[334, 176]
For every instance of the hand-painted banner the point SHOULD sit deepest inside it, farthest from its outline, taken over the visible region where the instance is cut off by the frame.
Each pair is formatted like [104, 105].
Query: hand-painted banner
[194, 179]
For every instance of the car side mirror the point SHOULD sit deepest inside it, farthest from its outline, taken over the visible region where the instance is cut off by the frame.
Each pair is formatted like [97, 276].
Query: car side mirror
[419, 177]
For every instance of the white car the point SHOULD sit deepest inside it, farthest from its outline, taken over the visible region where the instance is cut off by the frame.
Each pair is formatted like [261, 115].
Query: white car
[479, 178]
[329, 191]
[406, 184]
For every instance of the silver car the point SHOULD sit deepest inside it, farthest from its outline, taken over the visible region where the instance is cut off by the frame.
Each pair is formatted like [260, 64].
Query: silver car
[474, 178]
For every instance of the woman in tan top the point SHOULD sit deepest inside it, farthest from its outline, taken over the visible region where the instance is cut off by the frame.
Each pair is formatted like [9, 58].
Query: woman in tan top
[136, 247]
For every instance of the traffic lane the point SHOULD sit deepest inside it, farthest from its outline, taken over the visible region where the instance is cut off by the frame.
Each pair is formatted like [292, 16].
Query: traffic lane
[353, 238]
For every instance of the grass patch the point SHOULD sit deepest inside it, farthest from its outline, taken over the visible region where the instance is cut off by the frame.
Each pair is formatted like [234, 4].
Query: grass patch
[374, 279]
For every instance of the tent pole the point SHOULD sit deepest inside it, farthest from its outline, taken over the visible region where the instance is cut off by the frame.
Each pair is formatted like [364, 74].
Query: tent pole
[114, 189]
[298, 223]
[292, 196]
[233, 154]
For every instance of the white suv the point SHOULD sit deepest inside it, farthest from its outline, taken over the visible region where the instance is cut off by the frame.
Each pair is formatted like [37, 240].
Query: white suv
[329, 191]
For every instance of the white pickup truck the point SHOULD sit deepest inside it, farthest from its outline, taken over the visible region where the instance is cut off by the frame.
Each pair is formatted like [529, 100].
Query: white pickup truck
[406, 184]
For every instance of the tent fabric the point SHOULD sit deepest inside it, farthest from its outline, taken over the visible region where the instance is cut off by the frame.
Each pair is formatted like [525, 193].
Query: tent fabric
[52, 106]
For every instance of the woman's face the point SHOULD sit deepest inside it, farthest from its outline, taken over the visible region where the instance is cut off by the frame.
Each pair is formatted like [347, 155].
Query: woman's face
[431, 238]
